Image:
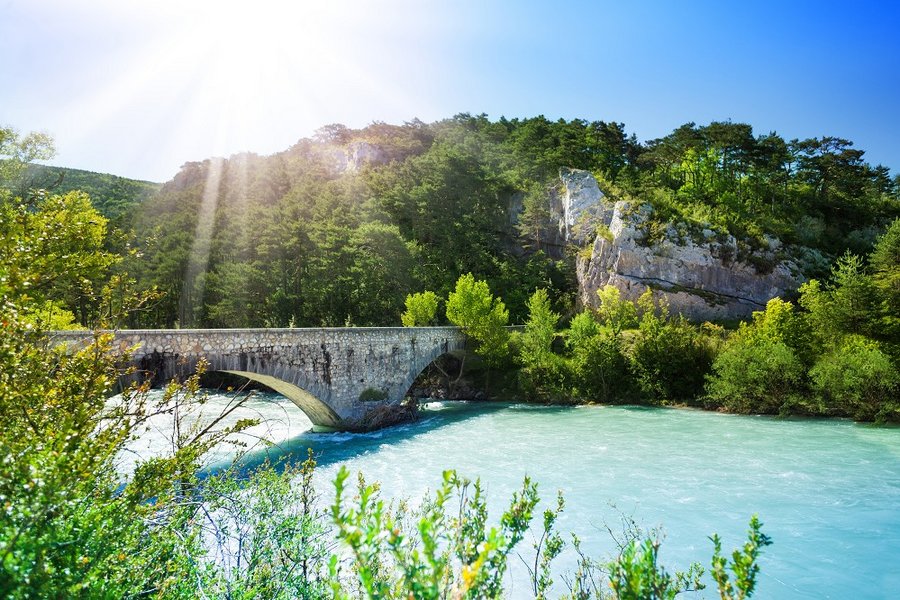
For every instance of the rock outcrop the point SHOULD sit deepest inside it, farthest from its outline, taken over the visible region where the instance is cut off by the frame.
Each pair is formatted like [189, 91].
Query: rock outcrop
[580, 207]
[354, 156]
[701, 275]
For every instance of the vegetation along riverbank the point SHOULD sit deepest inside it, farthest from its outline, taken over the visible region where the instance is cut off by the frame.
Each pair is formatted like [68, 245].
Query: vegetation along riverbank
[711, 267]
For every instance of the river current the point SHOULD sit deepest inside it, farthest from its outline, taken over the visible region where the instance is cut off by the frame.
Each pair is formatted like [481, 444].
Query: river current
[827, 491]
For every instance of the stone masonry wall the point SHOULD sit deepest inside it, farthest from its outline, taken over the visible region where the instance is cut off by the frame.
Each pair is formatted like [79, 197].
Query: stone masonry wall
[350, 370]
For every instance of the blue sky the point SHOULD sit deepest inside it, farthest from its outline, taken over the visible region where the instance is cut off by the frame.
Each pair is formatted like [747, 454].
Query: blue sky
[139, 88]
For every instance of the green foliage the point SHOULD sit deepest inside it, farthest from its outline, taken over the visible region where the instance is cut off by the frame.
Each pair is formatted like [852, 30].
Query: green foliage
[616, 313]
[447, 549]
[598, 367]
[481, 316]
[540, 329]
[859, 379]
[52, 254]
[757, 370]
[546, 548]
[17, 152]
[668, 358]
[756, 375]
[434, 554]
[846, 305]
[885, 268]
[116, 198]
[421, 309]
[746, 185]
[743, 564]
[271, 540]
[636, 575]
[542, 374]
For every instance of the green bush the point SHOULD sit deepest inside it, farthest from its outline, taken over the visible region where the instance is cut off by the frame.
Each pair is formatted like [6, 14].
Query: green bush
[598, 368]
[668, 358]
[762, 367]
[755, 375]
[858, 379]
[447, 549]
[421, 309]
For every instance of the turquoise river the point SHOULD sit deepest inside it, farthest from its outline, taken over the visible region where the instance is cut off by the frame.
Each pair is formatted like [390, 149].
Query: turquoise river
[827, 491]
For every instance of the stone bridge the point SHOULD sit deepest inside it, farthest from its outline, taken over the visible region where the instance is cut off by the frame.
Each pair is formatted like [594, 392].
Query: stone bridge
[342, 378]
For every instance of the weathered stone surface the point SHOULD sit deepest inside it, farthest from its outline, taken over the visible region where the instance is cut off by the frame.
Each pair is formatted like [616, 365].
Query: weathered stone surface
[340, 377]
[580, 207]
[360, 154]
[703, 280]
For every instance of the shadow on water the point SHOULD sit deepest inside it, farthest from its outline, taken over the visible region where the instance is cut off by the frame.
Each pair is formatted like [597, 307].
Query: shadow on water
[330, 448]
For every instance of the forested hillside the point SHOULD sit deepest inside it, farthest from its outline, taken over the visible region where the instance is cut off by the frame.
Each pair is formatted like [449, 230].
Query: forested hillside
[338, 229]
[117, 198]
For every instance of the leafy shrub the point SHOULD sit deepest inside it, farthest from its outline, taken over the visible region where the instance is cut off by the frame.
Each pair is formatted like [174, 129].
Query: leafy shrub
[857, 378]
[598, 369]
[433, 554]
[615, 312]
[755, 374]
[668, 358]
[447, 549]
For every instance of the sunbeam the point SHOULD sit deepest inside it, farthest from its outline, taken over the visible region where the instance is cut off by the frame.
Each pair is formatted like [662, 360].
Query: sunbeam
[195, 275]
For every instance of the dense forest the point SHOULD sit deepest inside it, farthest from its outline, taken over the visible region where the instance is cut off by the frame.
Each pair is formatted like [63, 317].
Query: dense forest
[116, 198]
[338, 229]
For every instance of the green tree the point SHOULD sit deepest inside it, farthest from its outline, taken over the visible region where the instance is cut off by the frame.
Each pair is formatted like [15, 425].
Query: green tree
[17, 152]
[421, 309]
[598, 368]
[667, 358]
[540, 329]
[52, 254]
[481, 316]
[615, 312]
[757, 370]
[885, 267]
[534, 223]
[381, 274]
[858, 379]
[542, 374]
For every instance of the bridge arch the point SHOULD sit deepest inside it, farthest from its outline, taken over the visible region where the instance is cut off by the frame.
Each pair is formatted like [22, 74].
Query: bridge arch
[417, 368]
[337, 376]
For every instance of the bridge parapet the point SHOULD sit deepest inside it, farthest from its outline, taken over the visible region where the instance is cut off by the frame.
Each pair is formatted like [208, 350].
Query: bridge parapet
[339, 377]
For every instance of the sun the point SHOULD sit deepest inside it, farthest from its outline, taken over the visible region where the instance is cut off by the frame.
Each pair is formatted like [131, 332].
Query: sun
[243, 62]
[173, 81]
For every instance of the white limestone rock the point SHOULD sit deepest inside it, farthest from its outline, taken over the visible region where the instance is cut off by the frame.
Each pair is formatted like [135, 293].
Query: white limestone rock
[353, 157]
[702, 279]
[581, 206]
[361, 154]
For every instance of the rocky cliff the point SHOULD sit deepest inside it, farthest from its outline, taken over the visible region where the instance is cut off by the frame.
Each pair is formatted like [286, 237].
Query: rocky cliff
[702, 275]
[580, 207]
